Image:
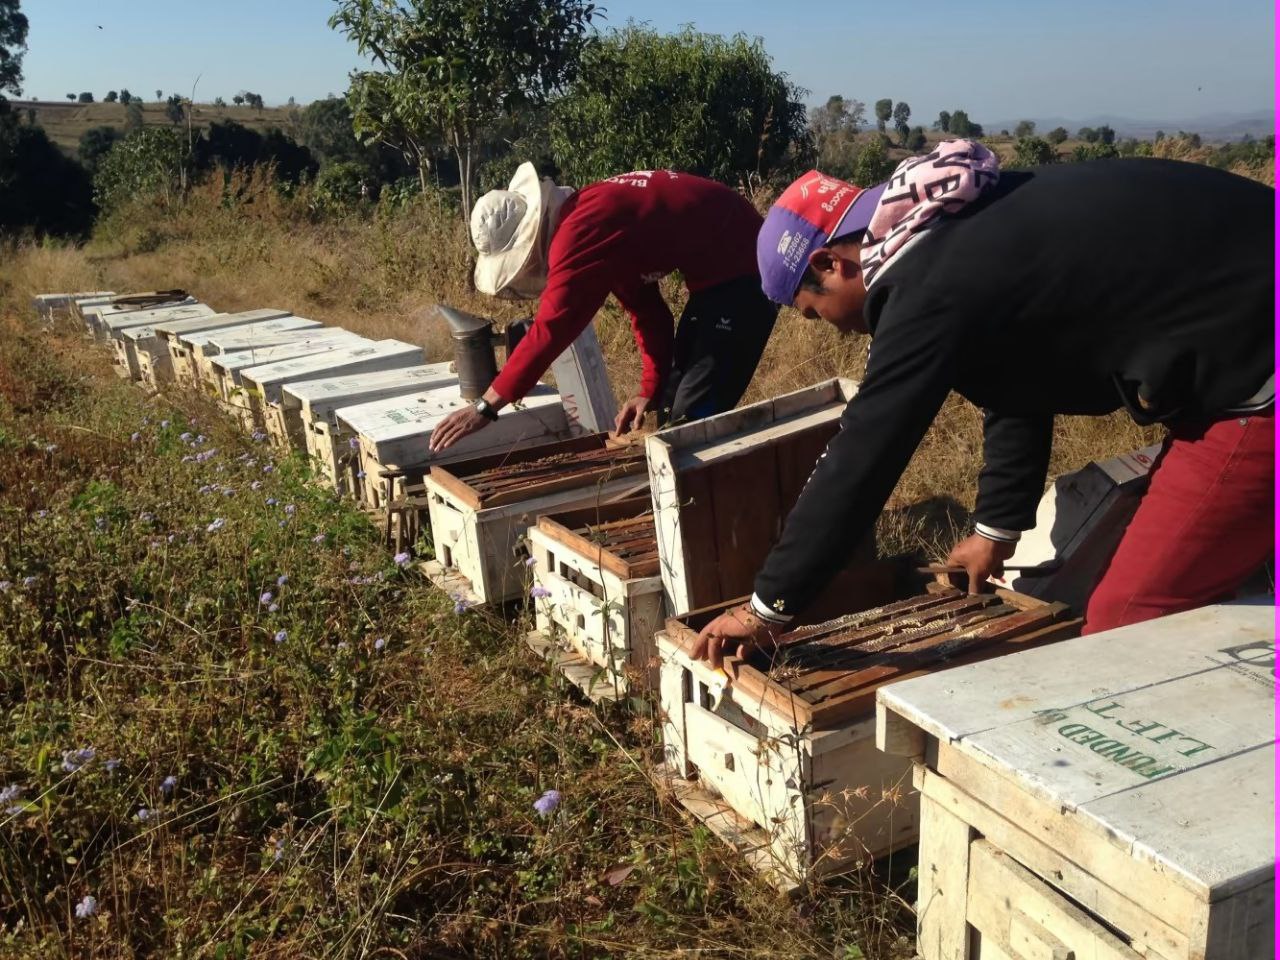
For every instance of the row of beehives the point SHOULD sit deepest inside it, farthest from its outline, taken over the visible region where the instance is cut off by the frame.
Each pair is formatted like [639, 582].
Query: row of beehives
[779, 756]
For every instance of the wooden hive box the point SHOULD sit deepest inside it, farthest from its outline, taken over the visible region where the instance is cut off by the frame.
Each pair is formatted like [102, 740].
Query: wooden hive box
[113, 325]
[309, 405]
[178, 336]
[138, 343]
[1109, 798]
[48, 305]
[225, 368]
[481, 508]
[207, 344]
[389, 441]
[723, 486]
[83, 308]
[603, 603]
[96, 314]
[264, 385]
[783, 744]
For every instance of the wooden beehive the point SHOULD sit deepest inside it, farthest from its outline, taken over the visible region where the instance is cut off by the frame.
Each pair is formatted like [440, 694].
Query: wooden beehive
[178, 336]
[1108, 798]
[723, 486]
[389, 441]
[145, 356]
[308, 405]
[97, 315]
[264, 384]
[481, 508]
[49, 305]
[225, 368]
[83, 308]
[782, 744]
[113, 325]
[603, 602]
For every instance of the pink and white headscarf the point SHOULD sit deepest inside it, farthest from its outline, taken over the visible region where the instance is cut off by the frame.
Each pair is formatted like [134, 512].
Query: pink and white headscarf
[951, 176]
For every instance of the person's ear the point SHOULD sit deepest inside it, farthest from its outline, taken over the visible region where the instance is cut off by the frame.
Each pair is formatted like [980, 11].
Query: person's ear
[824, 261]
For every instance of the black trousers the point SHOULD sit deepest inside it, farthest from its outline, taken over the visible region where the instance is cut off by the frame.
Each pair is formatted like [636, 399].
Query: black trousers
[719, 339]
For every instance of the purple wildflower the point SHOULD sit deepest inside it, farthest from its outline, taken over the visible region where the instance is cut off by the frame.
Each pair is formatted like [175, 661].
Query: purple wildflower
[282, 580]
[279, 851]
[290, 509]
[145, 517]
[530, 562]
[143, 814]
[228, 491]
[73, 760]
[12, 793]
[87, 907]
[401, 558]
[268, 468]
[281, 636]
[360, 475]
[172, 537]
[112, 765]
[5, 586]
[135, 437]
[41, 514]
[273, 608]
[100, 523]
[539, 592]
[200, 439]
[265, 598]
[164, 424]
[272, 501]
[379, 643]
[342, 645]
[319, 538]
[207, 488]
[217, 525]
[547, 803]
[256, 485]
[184, 437]
[50, 447]
[167, 784]
[258, 436]
[28, 582]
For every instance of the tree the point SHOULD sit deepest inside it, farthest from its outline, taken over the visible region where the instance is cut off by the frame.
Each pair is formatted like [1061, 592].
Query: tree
[292, 102]
[96, 143]
[71, 96]
[160, 95]
[452, 68]
[42, 190]
[1159, 135]
[1087, 134]
[833, 128]
[238, 99]
[1093, 151]
[111, 97]
[1057, 135]
[148, 162]
[943, 123]
[901, 116]
[13, 44]
[133, 116]
[1106, 135]
[254, 100]
[85, 97]
[916, 140]
[873, 164]
[175, 109]
[700, 102]
[125, 96]
[962, 126]
[1033, 152]
[1024, 128]
[219, 102]
[229, 145]
[884, 111]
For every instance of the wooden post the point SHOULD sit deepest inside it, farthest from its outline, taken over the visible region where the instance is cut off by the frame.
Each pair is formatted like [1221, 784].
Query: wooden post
[943, 883]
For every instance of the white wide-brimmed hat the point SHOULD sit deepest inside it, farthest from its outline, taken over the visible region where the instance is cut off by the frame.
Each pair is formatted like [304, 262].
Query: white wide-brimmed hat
[507, 230]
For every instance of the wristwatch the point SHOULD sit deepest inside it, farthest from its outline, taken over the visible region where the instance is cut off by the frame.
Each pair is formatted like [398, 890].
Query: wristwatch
[485, 409]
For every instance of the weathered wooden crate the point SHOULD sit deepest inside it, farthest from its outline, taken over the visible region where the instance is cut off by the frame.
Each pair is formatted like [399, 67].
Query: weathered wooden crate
[723, 486]
[112, 326]
[98, 310]
[1109, 798]
[481, 508]
[783, 745]
[49, 305]
[225, 368]
[144, 357]
[308, 404]
[177, 336]
[603, 602]
[394, 437]
[265, 384]
[207, 344]
[84, 309]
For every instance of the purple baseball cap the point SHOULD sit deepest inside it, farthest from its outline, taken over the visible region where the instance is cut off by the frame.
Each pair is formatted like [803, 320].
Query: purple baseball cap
[811, 213]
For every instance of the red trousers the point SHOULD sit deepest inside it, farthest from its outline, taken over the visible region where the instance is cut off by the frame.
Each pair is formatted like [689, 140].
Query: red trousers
[1204, 526]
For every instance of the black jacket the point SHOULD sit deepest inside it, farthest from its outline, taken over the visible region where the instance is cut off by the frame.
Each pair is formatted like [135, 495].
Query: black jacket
[1073, 289]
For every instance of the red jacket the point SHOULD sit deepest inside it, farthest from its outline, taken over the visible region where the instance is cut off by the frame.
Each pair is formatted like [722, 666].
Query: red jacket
[621, 236]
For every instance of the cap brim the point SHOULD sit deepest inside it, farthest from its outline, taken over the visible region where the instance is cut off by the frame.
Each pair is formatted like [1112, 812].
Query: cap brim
[858, 217]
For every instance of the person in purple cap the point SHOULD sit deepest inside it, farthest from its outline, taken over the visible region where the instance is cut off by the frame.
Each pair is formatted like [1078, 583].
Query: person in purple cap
[1081, 288]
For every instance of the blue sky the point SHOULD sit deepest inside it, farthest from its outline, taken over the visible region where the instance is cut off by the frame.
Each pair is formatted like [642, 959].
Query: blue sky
[998, 59]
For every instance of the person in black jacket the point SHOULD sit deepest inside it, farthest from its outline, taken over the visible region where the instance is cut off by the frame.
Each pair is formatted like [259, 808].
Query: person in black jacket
[1073, 289]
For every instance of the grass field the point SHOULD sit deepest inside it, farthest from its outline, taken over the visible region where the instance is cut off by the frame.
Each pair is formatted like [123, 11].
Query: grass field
[65, 122]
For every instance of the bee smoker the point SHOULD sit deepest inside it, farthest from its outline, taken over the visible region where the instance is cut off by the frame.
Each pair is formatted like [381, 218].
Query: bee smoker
[473, 341]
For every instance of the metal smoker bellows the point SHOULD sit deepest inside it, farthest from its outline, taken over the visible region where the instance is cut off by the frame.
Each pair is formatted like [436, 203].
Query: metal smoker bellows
[473, 343]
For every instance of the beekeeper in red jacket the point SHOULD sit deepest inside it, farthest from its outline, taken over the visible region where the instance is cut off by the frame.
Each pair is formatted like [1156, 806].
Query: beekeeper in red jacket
[572, 248]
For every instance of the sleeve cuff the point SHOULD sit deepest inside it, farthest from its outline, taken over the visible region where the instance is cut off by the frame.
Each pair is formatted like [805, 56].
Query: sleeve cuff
[762, 610]
[997, 533]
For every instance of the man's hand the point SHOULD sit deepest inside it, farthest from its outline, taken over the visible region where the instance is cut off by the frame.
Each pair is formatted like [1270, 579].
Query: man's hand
[982, 558]
[631, 414]
[738, 630]
[455, 426]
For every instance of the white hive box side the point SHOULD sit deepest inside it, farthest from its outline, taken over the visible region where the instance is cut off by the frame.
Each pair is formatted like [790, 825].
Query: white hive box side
[226, 367]
[98, 315]
[265, 384]
[113, 325]
[173, 335]
[203, 347]
[1129, 773]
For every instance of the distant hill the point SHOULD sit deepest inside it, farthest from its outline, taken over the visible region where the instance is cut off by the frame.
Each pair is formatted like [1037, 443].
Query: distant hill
[65, 121]
[1213, 128]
